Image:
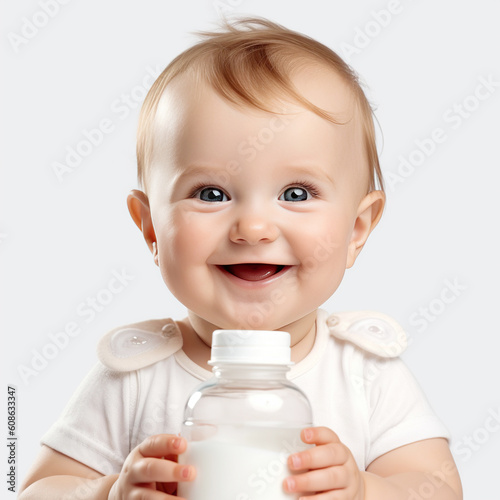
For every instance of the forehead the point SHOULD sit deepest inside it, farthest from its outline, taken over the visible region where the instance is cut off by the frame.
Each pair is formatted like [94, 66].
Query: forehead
[195, 124]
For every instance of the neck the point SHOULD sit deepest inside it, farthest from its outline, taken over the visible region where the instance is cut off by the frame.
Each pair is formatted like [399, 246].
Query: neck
[197, 337]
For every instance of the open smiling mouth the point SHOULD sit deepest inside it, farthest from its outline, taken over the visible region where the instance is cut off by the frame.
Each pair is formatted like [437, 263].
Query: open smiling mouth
[254, 272]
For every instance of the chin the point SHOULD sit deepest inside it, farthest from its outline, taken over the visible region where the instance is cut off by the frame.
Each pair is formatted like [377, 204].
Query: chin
[257, 319]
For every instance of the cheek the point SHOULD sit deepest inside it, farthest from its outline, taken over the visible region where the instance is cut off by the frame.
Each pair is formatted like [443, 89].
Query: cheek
[181, 256]
[323, 242]
[183, 238]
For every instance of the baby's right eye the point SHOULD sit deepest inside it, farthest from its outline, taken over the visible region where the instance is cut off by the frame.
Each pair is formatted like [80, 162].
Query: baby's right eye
[211, 194]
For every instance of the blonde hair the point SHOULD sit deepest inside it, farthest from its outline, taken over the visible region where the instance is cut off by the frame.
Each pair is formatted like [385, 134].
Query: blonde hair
[249, 63]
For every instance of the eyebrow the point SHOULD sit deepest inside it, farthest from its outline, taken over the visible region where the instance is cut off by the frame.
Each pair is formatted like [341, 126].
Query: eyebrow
[185, 172]
[194, 170]
[308, 170]
[197, 169]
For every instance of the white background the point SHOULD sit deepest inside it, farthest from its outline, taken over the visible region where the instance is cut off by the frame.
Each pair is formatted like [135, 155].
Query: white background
[62, 239]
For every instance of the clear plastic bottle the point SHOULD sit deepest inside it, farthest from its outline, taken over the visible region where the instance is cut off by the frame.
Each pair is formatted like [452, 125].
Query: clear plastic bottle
[242, 425]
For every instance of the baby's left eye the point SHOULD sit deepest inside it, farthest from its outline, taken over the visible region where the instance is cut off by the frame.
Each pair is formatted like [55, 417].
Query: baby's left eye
[295, 193]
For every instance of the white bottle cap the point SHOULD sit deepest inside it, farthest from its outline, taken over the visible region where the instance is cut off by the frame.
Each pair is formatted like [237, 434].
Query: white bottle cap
[251, 347]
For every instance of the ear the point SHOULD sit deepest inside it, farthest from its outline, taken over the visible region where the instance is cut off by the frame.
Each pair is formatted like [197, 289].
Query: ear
[138, 206]
[369, 213]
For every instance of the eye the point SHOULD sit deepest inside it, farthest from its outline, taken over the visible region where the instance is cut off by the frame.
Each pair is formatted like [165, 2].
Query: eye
[212, 194]
[295, 193]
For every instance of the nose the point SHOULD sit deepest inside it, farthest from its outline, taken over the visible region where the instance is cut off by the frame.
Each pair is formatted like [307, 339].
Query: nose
[252, 229]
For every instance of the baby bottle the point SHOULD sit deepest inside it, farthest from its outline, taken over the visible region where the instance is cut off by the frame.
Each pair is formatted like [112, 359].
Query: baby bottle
[242, 425]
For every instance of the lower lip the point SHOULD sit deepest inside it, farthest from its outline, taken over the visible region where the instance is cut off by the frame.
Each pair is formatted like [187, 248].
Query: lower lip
[253, 284]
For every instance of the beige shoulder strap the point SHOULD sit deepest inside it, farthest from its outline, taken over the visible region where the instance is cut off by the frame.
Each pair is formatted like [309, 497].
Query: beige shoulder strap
[139, 345]
[372, 331]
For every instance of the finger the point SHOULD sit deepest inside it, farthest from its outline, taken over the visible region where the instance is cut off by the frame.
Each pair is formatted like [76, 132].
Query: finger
[319, 435]
[149, 494]
[319, 457]
[332, 478]
[162, 445]
[326, 495]
[150, 470]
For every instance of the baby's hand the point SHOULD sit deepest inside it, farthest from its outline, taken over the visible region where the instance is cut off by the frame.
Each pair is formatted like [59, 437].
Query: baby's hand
[150, 472]
[329, 468]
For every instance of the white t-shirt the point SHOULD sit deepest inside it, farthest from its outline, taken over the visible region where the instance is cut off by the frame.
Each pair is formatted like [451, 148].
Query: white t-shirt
[372, 402]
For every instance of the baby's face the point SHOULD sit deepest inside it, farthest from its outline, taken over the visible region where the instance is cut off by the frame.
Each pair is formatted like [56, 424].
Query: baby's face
[256, 214]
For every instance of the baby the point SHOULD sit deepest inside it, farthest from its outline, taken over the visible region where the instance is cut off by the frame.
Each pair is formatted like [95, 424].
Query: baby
[260, 186]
